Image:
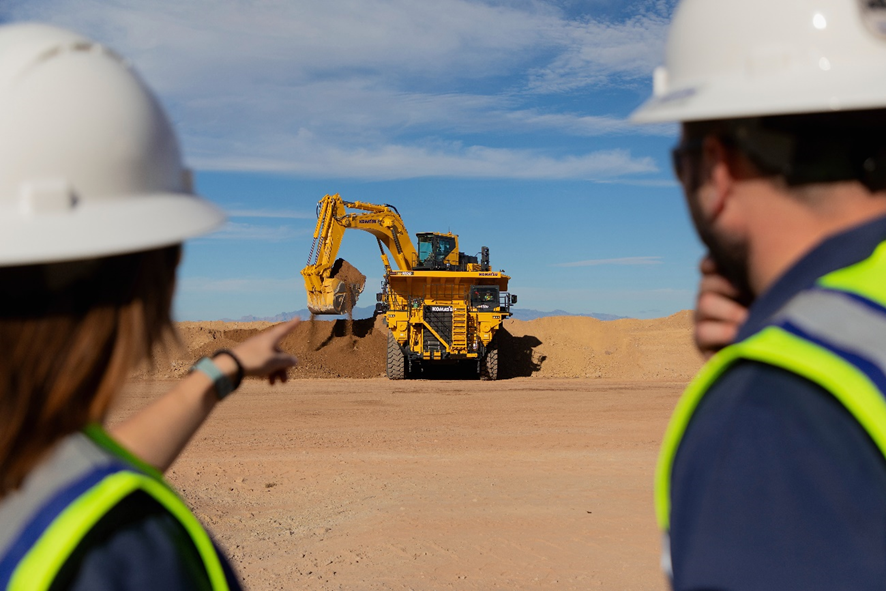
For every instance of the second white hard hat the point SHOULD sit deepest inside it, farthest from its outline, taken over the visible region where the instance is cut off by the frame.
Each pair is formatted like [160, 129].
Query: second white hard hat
[726, 59]
[89, 164]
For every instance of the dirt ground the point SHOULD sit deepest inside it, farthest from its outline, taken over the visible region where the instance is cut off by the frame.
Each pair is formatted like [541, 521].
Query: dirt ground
[369, 484]
[341, 479]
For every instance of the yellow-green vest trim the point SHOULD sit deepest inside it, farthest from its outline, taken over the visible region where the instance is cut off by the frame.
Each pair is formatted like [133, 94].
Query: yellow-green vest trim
[42, 561]
[833, 335]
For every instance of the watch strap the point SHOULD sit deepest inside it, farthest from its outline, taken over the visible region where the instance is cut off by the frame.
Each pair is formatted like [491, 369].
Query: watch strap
[238, 379]
[221, 382]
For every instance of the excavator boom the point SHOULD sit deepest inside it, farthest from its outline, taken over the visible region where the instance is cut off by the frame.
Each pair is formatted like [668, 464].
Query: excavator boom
[328, 291]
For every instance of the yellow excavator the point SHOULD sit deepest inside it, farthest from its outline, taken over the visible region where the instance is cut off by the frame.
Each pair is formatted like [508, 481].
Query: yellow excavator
[441, 305]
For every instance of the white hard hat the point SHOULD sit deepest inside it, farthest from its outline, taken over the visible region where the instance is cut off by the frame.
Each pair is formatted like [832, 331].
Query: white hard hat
[727, 59]
[89, 164]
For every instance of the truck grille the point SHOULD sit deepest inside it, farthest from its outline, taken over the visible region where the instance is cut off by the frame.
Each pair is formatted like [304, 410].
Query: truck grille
[440, 319]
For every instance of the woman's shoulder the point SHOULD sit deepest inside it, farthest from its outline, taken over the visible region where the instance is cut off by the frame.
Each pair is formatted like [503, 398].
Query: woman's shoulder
[138, 546]
[128, 540]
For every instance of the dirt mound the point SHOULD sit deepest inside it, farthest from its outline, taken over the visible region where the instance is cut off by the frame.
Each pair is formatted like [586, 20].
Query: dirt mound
[557, 347]
[584, 347]
[324, 348]
[339, 348]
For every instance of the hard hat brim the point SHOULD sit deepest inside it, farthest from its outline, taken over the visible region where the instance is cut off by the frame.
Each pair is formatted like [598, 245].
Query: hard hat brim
[105, 228]
[738, 97]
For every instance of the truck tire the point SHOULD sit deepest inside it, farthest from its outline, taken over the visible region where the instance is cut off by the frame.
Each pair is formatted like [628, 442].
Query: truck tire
[489, 365]
[396, 365]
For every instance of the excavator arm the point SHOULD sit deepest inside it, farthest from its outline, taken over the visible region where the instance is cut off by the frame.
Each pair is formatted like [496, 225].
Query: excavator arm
[328, 293]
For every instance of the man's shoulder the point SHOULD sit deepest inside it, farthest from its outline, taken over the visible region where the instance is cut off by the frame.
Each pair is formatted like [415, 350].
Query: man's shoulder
[753, 398]
[749, 384]
[774, 483]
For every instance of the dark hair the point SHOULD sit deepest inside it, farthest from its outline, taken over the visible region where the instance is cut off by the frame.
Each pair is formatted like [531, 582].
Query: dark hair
[808, 148]
[71, 333]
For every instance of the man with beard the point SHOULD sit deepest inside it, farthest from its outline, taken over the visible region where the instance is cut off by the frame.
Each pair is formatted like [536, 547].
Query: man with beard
[773, 470]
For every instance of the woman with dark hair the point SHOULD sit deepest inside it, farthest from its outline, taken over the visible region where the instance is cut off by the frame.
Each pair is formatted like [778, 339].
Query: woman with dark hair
[94, 206]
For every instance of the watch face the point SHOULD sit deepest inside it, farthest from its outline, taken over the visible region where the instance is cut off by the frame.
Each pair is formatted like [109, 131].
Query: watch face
[222, 383]
[873, 13]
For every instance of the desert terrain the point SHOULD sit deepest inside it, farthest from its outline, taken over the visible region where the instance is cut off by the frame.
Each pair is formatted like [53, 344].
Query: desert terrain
[341, 479]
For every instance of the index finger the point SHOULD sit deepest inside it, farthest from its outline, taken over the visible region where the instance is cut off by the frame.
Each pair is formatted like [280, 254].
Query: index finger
[279, 331]
[719, 285]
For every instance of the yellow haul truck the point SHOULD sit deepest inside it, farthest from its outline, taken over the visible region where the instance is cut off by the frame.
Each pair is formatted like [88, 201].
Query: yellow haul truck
[441, 305]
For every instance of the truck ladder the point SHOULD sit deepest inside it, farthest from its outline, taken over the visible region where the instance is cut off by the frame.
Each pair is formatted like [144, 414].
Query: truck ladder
[459, 328]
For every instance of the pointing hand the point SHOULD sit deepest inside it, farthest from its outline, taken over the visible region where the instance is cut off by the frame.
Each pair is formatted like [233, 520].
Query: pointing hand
[261, 355]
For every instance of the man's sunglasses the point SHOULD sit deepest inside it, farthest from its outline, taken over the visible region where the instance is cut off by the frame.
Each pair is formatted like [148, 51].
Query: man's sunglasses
[679, 155]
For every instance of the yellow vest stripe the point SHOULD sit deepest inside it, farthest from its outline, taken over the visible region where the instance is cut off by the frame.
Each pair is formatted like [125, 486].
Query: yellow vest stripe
[38, 569]
[779, 348]
[101, 438]
[857, 278]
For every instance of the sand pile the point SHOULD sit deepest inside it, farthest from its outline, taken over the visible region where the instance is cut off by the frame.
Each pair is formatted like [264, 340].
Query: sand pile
[339, 348]
[560, 346]
[324, 348]
[583, 347]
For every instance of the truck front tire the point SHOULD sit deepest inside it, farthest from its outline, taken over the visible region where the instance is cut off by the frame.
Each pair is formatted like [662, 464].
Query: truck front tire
[489, 365]
[396, 365]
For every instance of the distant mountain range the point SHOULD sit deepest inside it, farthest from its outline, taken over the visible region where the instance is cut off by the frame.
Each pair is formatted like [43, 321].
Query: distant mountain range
[525, 314]
[359, 312]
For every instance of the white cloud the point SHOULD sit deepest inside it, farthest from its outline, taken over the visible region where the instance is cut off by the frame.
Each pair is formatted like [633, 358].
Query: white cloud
[655, 260]
[269, 213]
[623, 302]
[239, 285]
[399, 162]
[598, 52]
[587, 125]
[532, 291]
[284, 43]
[661, 183]
[358, 88]
[240, 231]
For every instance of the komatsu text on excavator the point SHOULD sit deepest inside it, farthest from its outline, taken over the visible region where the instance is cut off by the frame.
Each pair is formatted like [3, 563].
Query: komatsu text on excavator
[441, 305]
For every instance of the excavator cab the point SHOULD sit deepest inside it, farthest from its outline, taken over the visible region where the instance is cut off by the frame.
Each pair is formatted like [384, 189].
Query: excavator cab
[437, 251]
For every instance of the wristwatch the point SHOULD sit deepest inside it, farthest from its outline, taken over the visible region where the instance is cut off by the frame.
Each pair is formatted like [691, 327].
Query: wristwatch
[221, 382]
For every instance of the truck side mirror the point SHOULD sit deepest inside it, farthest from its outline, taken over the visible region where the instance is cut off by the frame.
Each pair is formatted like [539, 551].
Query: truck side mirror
[513, 298]
[379, 297]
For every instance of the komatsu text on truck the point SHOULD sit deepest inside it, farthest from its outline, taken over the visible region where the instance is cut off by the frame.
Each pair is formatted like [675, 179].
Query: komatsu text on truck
[441, 305]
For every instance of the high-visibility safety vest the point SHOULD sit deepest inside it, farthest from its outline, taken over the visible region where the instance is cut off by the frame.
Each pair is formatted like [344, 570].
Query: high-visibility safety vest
[833, 334]
[85, 477]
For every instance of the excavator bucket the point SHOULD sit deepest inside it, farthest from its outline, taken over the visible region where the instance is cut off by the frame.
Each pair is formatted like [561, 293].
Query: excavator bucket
[338, 293]
[336, 297]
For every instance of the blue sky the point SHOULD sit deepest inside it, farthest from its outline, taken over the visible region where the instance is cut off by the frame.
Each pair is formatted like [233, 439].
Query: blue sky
[504, 122]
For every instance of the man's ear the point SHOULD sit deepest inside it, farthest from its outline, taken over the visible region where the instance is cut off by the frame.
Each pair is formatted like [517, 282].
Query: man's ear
[721, 173]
